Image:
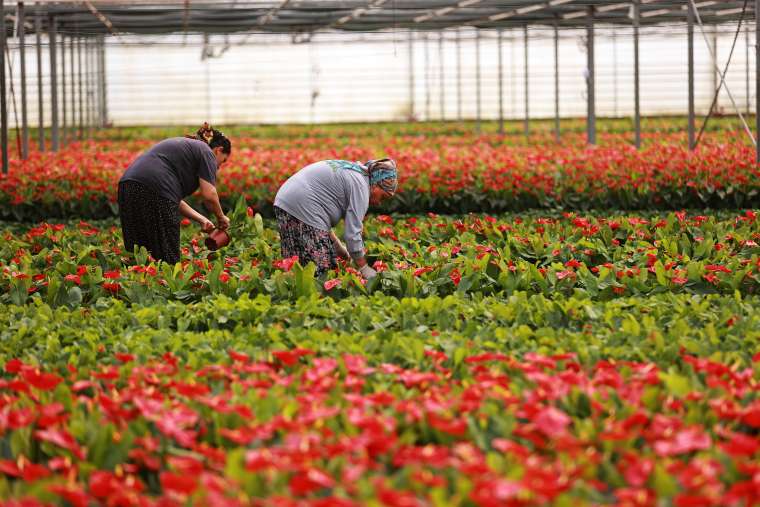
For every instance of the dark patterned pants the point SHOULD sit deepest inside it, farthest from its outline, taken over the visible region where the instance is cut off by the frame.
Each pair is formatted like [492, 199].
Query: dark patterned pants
[308, 243]
[149, 220]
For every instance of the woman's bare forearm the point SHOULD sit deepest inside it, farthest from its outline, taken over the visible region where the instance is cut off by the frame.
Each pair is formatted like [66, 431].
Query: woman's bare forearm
[187, 211]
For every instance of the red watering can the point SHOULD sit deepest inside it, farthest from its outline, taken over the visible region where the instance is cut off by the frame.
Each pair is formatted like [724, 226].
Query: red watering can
[217, 239]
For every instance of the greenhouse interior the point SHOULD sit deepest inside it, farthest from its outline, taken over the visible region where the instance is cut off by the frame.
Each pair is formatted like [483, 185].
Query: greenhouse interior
[386, 253]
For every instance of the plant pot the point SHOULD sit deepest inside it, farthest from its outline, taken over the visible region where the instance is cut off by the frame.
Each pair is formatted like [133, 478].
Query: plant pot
[217, 239]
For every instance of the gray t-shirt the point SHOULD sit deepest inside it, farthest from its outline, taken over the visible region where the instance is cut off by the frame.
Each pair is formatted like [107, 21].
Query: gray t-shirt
[321, 194]
[173, 167]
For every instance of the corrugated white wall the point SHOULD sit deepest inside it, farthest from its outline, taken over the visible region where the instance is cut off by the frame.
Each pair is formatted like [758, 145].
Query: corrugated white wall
[366, 77]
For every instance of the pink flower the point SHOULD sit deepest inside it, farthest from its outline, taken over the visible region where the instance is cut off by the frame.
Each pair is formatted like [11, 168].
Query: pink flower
[331, 284]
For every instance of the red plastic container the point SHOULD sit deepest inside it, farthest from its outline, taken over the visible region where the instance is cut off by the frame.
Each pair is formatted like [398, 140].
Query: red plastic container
[217, 239]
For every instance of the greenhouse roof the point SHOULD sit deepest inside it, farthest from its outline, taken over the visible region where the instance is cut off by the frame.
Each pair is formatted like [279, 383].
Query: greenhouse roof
[311, 16]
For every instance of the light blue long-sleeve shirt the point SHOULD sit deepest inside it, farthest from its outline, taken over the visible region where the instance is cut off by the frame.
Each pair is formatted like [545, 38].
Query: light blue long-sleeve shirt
[322, 193]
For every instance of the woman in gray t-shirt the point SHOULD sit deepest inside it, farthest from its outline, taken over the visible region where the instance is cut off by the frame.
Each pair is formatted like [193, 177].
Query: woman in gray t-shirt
[152, 190]
[317, 197]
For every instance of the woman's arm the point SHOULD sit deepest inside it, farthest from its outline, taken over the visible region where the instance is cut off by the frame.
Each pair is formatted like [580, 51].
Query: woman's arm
[340, 248]
[187, 211]
[211, 197]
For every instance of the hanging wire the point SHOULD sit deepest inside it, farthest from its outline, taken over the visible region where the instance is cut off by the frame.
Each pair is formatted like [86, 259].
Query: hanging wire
[722, 76]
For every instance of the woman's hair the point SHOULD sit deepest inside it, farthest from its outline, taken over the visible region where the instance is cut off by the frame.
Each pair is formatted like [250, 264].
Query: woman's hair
[214, 138]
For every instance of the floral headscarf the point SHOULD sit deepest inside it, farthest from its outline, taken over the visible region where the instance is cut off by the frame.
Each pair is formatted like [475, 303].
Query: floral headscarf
[383, 173]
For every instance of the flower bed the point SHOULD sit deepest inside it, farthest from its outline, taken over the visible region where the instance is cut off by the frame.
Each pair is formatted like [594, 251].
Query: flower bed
[452, 174]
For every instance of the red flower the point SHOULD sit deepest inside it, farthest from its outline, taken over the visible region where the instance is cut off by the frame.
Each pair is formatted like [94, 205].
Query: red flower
[286, 264]
[238, 356]
[14, 366]
[72, 494]
[111, 287]
[177, 483]
[123, 357]
[331, 284]
[308, 481]
[40, 380]
[112, 275]
[456, 277]
[290, 357]
[686, 440]
[551, 421]
[73, 278]
[61, 438]
[421, 271]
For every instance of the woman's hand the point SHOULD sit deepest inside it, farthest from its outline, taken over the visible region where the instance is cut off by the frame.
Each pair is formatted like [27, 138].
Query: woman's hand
[338, 246]
[207, 225]
[340, 249]
[367, 272]
[223, 222]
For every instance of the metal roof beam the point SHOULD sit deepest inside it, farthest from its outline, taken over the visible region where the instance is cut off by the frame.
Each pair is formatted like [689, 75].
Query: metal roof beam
[519, 11]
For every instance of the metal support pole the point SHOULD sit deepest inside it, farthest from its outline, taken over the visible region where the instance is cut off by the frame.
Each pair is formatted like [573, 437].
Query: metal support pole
[459, 75]
[757, 78]
[440, 70]
[20, 17]
[477, 81]
[715, 73]
[614, 72]
[501, 82]
[80, 93]
[64, 120]
[690, 32]
[411, 75]
[427, 78]
[53, 50]
[746, 67]
[40, 103]
[103, 88]
[557, 133]
[526, 124]
[3, 104]
[591, 79]
[88, 84]
[636, 66]
[72, 89]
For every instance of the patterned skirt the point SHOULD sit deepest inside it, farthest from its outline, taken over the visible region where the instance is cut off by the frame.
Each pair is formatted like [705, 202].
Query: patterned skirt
[308, 243]
[149, 220]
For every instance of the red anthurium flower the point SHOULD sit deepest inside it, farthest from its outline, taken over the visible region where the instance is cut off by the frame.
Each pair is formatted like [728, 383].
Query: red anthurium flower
[111, 287]
[309, 480]
[551, 421]
[16, 419]
[239, 356]
[684, 441]
[76, 279]
[286, 264]
[112, 275]
[178, 483]
[486, 357]
[40, 380]
[455, 276]
[13, 366]
[72, 494]
[290, 357]
[124, 357]
[751, 414]
[61, 438]
[331, 284]
[495, 492]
